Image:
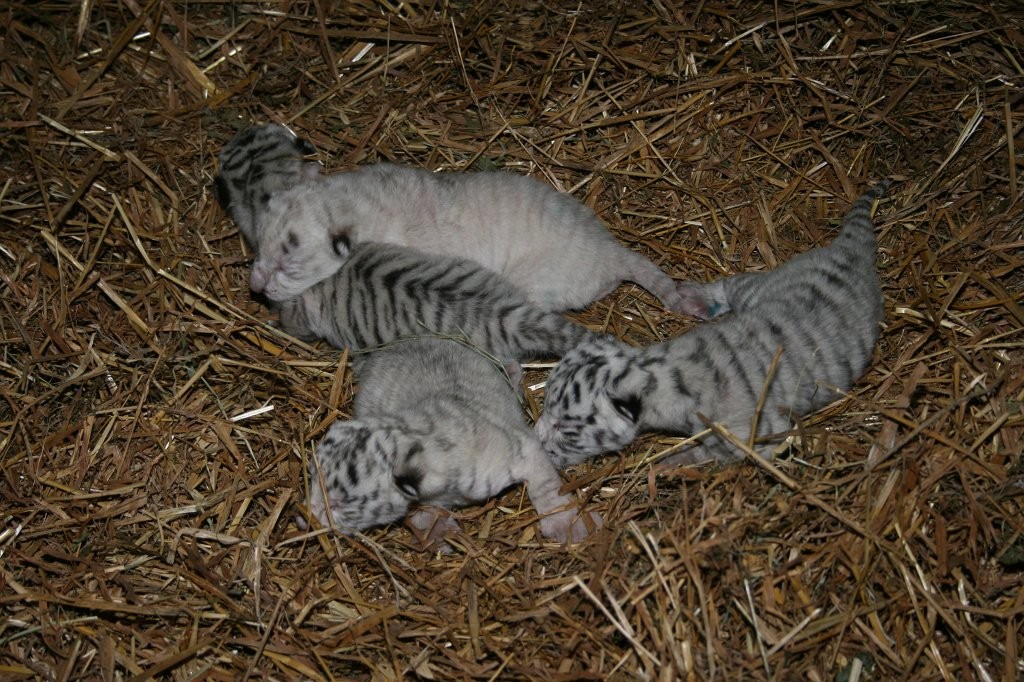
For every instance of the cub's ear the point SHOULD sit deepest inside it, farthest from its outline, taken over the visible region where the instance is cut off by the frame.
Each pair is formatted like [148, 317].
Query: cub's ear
[408, 481]
[628, 406]
[407, 473]
[341, 244]
[221, 191]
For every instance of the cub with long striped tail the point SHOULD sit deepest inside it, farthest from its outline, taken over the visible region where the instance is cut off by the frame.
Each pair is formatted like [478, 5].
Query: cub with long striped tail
[818, 313]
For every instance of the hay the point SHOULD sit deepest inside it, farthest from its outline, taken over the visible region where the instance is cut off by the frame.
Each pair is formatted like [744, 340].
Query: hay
[154, 432]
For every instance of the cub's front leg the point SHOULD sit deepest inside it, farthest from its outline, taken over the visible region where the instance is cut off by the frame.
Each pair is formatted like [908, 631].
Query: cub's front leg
[561, 519]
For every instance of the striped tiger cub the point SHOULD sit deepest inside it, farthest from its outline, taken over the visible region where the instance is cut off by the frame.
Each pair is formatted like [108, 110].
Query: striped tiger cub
[821, 311]
[385, 292]
[434, 424]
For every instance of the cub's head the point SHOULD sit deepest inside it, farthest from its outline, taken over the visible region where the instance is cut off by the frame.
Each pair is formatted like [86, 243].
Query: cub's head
[593, 401]
[306, 236]
[256, 164]
[368, 470]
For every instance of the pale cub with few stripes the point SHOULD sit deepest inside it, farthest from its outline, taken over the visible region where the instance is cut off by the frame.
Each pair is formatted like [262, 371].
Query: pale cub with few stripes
[823, 309]
[435, 424]
[545, 242]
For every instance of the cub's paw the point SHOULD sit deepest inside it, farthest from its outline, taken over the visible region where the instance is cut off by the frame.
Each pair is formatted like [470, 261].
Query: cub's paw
[430, 526]
[570, 525]
[514, 370]
[696, 301]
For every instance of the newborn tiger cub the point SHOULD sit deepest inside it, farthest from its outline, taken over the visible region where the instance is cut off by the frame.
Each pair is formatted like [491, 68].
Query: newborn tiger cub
[385, 292]
[435, 424]
[545, 242]
[822, 310]
[257, 163]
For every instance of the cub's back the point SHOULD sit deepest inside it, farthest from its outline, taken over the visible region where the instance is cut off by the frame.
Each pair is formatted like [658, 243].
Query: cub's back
[546, 241]
[411, 376]
[384, 292]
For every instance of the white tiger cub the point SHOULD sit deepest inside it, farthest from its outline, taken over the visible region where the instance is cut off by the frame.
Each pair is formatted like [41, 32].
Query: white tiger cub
[545, 242]
[822, 309]
[435, 424]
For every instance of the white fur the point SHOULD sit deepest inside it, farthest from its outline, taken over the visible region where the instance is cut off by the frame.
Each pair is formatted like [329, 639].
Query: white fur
[547, 243]
[437, 425]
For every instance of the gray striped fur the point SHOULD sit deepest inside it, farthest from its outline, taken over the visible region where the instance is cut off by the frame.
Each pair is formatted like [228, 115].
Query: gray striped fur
[385, 292]
[257, 163]
[435, 424]
[823, 309]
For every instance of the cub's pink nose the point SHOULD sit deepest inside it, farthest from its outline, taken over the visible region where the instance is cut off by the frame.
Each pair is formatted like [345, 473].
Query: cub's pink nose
[257, 279]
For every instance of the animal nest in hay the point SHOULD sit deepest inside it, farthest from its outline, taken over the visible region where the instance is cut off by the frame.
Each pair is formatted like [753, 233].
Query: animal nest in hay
[156, 429]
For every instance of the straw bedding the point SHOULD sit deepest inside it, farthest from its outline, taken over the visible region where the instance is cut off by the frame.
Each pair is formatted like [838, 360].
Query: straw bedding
[154, 432]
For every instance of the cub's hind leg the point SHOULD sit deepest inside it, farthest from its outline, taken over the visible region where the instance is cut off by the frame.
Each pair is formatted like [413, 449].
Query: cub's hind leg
[633, 267]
